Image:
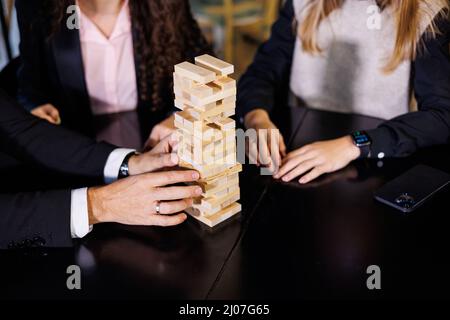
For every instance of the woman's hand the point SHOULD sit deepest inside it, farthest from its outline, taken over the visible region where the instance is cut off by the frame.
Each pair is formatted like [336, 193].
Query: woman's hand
[135, 200]
[161, 157]
[167, 145]
[318, 158]
[47, 112]
[262, 151]
[160, 131]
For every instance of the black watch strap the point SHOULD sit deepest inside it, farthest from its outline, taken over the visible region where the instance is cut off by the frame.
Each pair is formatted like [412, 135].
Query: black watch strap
[124, 169]
[365, 152]
[363, 141]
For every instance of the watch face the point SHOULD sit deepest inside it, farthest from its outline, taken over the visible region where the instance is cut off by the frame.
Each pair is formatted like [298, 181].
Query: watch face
[361, 139]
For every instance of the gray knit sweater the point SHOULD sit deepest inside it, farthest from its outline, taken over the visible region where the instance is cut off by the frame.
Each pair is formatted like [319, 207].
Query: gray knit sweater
[347, 76]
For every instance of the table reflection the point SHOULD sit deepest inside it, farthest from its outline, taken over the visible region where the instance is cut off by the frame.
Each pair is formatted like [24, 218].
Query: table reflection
[121, 129]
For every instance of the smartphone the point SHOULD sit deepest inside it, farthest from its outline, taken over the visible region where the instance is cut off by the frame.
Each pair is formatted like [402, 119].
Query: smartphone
[412, 189]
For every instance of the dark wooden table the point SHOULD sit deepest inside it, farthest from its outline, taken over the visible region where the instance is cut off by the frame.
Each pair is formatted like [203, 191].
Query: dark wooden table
[290, 241]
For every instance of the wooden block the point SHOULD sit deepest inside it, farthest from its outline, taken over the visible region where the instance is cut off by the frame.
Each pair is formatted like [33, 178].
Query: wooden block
[232, 184]
[182, 82]
[230, 141]
[192, 124]
[220, 67]
[217, 114]
[225, 83]
[209, 186]
[231, 200]
[226, 124]
[228, 100]
[182, 103]
[218, 158]
[208, 158]
[212, 189]
[208, 146]
[226, 171]
[195, 72]
[217, 96]
[215, 118]
[221, 193]
[218, 135]
[205, 133]
[207, 115]
[229, 148]
[200, 91]
[219, 144]
[230, 159]
[227, 157]
[233, 177]
[225, 149]
[230, 133]
[210, 170]
[185, 154]
[212, 202]
[229, 110]
[194, 95]
[207, 212]
[207, 172]
[229, 105]
[235, 169]
[181, 116]
[228, 113]
[178, 124]
[219, 217]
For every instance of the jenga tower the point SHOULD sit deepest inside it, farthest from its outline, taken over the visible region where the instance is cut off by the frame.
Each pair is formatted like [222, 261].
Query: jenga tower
[207, 136]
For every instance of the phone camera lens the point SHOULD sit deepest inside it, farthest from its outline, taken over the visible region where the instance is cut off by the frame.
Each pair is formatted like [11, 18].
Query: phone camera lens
[406, 201]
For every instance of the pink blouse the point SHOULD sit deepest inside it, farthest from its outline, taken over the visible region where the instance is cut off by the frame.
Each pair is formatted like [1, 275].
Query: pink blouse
[109, 65]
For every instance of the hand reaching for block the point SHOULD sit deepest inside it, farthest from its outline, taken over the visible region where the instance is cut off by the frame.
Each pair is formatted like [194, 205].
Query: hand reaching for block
[159, 132]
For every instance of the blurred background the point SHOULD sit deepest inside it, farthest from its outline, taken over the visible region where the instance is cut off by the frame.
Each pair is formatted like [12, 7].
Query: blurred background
[9, 33]
[235, 28]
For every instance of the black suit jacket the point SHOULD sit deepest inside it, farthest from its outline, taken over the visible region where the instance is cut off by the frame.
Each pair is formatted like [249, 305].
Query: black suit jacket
[43, 218]
[266, 83]
[52, 71]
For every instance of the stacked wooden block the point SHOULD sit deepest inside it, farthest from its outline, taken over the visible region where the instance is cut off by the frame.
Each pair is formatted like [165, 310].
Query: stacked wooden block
[206, 97]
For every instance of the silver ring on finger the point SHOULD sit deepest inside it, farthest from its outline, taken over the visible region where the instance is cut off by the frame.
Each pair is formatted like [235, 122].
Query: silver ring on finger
[158, 207]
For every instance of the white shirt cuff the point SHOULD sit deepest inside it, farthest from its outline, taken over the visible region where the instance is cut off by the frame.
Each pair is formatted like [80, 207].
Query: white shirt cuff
[115, 160]
[79, 216]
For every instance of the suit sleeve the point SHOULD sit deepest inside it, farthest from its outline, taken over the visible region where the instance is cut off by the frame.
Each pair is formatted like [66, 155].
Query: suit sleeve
[31, 74]
[38, 142]
[35, 219]
[269, 74]
[429, 126]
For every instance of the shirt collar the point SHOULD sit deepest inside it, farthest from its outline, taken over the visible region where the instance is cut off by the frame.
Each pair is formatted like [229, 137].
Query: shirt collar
[89, 32]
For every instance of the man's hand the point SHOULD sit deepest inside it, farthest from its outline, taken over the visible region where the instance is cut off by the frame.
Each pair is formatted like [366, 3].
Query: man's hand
[47, 112]
[318, 158]
[160, 132]
[133, 201]
[260, 150]
[160, 157]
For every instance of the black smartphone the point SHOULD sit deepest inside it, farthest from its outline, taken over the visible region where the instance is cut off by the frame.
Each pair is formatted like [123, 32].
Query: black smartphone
[409, 191]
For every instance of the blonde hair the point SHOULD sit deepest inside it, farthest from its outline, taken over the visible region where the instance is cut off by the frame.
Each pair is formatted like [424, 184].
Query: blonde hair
[409, 14]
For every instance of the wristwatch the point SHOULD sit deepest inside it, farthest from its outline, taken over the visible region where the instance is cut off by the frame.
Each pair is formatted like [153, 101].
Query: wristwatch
[363, 141]
[124, 169]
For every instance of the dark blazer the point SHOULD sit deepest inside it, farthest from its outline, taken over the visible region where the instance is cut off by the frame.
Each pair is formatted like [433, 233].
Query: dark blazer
[43, 218]
[52, 72]
[266, 82]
